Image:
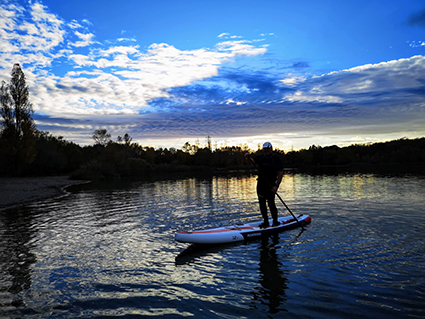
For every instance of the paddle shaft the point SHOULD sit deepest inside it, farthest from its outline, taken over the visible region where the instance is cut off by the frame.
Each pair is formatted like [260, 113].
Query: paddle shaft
[271, 186]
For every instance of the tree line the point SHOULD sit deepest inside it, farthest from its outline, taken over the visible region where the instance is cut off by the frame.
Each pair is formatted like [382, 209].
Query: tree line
[25, 151]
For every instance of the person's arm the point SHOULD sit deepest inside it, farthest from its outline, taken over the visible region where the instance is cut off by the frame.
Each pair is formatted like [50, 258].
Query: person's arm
[278, 181]
[249, 158]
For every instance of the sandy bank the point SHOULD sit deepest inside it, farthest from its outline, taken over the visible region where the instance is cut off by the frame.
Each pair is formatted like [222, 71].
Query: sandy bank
[19, 191]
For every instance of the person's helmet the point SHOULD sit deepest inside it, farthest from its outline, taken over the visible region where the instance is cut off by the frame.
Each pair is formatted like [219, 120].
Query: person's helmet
[267, 145]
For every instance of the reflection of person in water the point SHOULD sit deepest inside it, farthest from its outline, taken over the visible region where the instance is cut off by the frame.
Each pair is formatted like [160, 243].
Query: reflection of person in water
[272, 278]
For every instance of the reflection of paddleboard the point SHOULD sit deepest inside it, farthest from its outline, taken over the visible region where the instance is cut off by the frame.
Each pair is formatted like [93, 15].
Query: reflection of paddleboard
[236, 233]
[194, 252]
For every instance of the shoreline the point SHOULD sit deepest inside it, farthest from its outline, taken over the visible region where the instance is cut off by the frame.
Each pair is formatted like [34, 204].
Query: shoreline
[18, 191]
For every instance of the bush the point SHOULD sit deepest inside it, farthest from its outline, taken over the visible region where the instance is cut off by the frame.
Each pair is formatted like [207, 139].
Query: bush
[95, 171]
[136, 167]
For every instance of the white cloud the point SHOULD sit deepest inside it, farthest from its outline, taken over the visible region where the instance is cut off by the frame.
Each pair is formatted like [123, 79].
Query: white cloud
[29, 28]
[339, 86]
[126, 39]
[28, 40]
[299, 96]
[293, 80]
[131, 78]
[74, 25]
[241, 47]
[87, 22]
[417, 44]
[50, 32]
[119, 50]
[116, 80]
[86, 39]
[228, 36]
[231, 101]
[7, 27]
[111, 84]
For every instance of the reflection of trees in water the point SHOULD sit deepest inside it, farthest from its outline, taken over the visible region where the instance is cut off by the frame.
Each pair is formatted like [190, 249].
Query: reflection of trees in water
[272, 278]
[16, 257]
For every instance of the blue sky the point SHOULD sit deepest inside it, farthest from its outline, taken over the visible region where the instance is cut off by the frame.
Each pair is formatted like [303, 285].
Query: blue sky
[295, 73]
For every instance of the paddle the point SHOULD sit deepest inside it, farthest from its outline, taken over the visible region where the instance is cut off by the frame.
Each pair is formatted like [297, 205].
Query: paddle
[286, 206]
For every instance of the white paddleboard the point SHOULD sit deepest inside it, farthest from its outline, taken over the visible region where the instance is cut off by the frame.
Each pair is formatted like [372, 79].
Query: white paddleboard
[234, 233]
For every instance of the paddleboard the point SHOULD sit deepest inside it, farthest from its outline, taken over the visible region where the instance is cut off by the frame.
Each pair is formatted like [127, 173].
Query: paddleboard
[235, 233]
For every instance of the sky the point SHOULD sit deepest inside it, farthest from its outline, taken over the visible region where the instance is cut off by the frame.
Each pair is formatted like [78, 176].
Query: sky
[294, 73]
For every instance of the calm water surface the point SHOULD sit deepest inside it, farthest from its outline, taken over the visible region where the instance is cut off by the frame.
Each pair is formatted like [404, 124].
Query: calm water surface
[110, 251]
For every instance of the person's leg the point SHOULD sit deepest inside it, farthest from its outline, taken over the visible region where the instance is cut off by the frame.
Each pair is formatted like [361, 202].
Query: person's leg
[263, 208]
[262, 200]
[273, 208]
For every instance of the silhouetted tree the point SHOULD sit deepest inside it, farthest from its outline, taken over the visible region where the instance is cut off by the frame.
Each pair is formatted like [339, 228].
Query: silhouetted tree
[209, 143]
[127, 139]
[101, 137]
[17, 137]
[55, 155]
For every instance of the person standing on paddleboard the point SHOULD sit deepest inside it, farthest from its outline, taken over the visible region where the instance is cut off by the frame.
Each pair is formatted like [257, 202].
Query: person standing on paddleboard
[270, 175]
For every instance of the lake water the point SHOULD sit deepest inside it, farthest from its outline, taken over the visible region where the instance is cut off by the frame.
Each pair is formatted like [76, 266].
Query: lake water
[107, 252]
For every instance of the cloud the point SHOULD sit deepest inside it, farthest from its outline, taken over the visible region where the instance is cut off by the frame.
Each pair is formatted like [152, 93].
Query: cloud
[300, 96]
[375, 78]
[368, 98]
[416, 44]
[301, 65]
[28, 39]
[293, 80]
[162, 91]
[50, 33]
[417, 19]
[241, 47]
[86, 39]
[105, 80]
[228, 36]
[371, 99]
[74, 24]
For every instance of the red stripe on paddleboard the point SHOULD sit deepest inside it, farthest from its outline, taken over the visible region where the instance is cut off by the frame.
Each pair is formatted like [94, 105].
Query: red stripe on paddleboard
[288, 221]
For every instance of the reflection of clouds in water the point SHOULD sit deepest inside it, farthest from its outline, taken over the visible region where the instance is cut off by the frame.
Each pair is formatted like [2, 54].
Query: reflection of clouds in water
[16, 256]
[111, 249]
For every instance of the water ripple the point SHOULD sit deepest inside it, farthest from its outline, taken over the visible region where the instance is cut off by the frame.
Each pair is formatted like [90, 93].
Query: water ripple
[110, 252]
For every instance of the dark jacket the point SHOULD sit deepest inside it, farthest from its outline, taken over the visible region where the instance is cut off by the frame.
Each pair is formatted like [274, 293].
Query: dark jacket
[269, 166]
